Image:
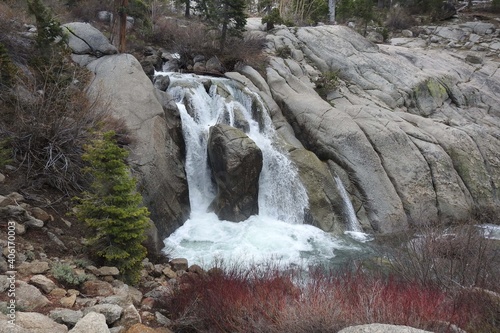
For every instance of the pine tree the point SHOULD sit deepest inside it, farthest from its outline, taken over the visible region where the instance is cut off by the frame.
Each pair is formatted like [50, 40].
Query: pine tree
[49, 30]
[111, 208]
[227, 15]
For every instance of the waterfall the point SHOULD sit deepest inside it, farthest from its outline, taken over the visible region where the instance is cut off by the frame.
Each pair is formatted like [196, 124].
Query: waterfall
[277, 233]
[281, 194]
[352, 220]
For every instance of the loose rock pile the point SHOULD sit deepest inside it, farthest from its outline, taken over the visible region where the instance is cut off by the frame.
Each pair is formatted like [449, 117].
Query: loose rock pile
[65, 294]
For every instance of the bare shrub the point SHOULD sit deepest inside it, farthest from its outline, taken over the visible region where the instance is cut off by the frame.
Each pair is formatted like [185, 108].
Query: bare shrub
[398, 18]
[278, 301]
[52, 119]
[457, 257]
[191, 38]
[87, 10]
[11, 23]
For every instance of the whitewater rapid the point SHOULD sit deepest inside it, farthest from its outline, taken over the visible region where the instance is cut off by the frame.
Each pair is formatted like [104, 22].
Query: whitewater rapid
[277, 234]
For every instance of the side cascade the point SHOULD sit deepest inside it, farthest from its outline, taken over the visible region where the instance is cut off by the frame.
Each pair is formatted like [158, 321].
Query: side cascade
[278, 231]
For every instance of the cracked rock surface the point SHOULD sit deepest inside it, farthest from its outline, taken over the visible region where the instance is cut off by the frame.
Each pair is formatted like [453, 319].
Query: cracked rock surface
[415, 130]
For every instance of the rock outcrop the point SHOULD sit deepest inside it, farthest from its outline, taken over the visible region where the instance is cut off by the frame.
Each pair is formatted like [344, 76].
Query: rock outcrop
[236, 163]
[415, 130]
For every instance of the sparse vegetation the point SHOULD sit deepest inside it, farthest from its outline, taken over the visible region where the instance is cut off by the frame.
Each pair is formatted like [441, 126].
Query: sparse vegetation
[66, 275]
[327, 83]
[284, 52]
[189, 38]
[46, 113]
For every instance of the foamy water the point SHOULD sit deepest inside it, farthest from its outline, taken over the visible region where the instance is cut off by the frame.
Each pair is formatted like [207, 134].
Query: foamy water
[277, 234]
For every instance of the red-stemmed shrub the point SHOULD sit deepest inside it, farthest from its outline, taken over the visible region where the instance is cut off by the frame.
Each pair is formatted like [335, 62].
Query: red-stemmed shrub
[238, 300]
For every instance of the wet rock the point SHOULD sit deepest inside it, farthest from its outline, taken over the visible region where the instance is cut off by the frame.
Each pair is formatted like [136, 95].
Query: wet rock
[236, 162]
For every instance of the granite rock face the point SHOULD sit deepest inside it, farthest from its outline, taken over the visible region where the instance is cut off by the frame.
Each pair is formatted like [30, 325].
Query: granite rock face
[415, 129]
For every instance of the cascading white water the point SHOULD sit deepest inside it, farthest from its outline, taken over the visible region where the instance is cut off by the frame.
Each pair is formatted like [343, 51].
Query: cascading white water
[278, 232]
[353, 223]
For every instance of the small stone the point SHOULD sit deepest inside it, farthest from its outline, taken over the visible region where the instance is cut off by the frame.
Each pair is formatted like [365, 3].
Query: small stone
[29, 297]
[97, 288]
[66, 316]
[73, 292]
[473, 59]
[108, 278]
[13, 198]
[42, 282]
[34, 267]
[37, 322]
[34, 223]
[58, 292]
[161, 319]
[2, 178]
[106, 270]
[68, 223]
[85, 302]
[40, 214]
[56, 240]
[20, 228]
[112, 312]
[140, 328]
[179, 264]
[169, 273]
[68, 302]
[407, 33]
[147, 303]
[196, 269]
[92, 322]
[129, 317]
[4, 283]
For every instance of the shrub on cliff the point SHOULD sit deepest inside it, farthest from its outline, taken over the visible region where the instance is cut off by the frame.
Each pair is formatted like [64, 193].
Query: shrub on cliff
[111, 208]
[46, 113]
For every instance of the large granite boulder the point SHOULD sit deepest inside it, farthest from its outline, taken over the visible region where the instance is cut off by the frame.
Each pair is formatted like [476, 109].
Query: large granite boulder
[86, 42]
[151, 117]
[236, 163]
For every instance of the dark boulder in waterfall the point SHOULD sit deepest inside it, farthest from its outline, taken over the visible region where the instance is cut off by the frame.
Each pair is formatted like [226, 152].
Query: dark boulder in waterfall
[236, 163]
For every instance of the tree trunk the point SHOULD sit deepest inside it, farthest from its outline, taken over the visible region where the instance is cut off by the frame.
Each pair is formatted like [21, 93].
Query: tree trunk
[123, 26]
[225, 22]
[331, 9]
[187, 13]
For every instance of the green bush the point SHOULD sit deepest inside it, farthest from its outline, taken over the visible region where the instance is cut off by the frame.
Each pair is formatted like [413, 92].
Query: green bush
[328, 82]
[5, 152]
[495, 6]
[65, 274]
[8, 70]
[284, 52]
[111, 208]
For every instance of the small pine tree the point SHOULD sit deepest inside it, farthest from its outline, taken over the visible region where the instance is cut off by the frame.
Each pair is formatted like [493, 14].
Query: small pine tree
[49, 30]
[111, 208]
[227, 15]
[7, 68]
